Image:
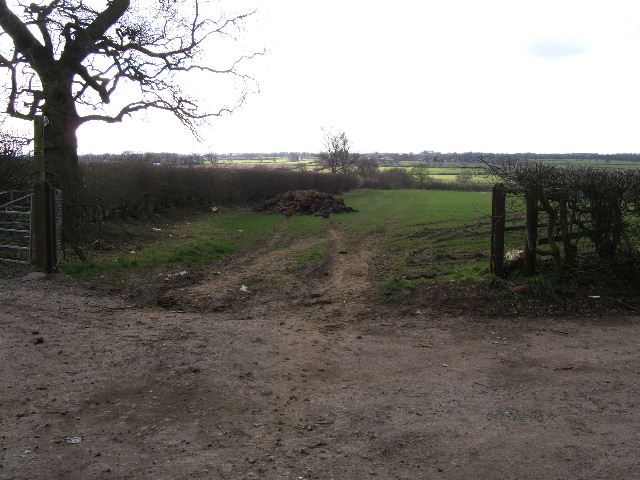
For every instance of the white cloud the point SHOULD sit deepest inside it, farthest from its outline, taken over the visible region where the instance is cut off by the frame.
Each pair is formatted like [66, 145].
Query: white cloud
[556, 48]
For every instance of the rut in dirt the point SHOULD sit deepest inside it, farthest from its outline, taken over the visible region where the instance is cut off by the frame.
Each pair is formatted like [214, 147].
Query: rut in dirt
[271, 277]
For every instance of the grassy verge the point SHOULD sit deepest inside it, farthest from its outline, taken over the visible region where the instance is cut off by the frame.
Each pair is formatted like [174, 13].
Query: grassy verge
[182, 244]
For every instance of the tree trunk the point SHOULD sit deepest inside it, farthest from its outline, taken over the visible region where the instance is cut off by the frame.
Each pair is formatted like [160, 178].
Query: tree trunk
[61, 156]
[60, 141]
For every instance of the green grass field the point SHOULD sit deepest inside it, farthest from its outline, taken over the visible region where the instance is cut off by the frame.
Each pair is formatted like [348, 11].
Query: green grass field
[392, 209]
[454, 170]
[415, 234]
[450, 172]
[476, 178]
[266, 160]
[422, 234]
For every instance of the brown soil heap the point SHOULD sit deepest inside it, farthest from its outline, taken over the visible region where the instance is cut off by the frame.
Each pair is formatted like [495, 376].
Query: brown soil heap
[304, 202]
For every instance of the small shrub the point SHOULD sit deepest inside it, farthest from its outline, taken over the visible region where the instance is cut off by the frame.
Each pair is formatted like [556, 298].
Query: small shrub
[541, 287]
[395, 287]
[464, 177]
[494, 282]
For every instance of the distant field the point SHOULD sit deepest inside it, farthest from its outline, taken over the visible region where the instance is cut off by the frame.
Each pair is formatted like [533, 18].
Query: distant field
[255, 160]
[590, 163]
[448, 175]
[476, 178]
[455, 170]
[447, 172]
[479, 175]
[267, 160]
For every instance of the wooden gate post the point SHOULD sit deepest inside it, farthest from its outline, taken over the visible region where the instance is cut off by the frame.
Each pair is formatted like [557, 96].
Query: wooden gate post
[496, 265]
[531, 220]
[43, 219]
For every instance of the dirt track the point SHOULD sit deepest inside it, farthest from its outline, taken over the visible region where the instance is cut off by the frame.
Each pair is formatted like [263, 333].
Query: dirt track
[316, 383]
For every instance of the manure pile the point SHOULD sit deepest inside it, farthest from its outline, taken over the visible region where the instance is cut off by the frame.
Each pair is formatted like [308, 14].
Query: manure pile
[304, 202]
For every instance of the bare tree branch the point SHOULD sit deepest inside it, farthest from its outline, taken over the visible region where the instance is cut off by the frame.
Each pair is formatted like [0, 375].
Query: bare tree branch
[103, 50]
[77, 61]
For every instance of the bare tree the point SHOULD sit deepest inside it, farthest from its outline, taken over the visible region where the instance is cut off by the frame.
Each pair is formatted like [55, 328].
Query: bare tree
[11, 144]
[66, 59]
[366, 166]
[337, 156]
[14, 165]
[465, 176]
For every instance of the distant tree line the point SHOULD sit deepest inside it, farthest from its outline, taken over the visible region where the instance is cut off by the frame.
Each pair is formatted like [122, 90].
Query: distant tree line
[424, 159]
[430, 158]
[158, 158]
[475, 157]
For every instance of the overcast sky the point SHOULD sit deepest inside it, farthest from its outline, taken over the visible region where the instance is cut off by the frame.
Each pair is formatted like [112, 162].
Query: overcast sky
[414, 75]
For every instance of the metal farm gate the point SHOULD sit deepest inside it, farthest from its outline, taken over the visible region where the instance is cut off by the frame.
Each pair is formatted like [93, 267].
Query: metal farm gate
[31, 221]
[15, 226]
[31, 227]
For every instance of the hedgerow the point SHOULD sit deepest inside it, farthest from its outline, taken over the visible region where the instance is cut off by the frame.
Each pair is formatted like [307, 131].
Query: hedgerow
[136, 189]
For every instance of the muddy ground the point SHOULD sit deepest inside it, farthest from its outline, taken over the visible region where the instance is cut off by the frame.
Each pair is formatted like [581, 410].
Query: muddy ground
[194, 378]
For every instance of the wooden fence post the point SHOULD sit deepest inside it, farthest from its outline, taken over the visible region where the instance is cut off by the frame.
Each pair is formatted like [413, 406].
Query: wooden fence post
[496, 265]
[531, 220]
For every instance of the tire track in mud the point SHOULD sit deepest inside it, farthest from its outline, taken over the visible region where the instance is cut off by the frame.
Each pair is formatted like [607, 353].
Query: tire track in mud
[349, 269]
[225, 284]
[268, 276]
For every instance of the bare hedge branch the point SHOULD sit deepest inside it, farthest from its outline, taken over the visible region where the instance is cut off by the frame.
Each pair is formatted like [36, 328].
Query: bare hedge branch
[601, 205]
